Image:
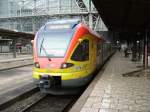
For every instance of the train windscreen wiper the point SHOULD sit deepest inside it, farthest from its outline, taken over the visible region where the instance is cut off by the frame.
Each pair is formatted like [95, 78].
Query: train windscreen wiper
[42, 47]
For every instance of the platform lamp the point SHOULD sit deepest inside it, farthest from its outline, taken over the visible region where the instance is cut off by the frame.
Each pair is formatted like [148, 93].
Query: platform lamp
[138, 49]
[145, 53]
[118, 47]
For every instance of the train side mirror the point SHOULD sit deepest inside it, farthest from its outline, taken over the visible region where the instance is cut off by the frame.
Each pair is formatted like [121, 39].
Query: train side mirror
[32, 41]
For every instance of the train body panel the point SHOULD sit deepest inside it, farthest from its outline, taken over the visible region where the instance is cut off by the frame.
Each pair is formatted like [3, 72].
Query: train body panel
[66, 57]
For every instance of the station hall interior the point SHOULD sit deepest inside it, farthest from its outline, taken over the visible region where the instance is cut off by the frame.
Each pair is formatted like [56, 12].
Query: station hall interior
[121, 83]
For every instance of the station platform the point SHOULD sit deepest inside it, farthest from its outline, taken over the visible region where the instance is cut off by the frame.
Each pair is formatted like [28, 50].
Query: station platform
[7, 61]
[15, 82]
[5, 56]
[123, 86]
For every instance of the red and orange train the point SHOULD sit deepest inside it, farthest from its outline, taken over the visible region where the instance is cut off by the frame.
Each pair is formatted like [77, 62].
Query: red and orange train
[66, 53]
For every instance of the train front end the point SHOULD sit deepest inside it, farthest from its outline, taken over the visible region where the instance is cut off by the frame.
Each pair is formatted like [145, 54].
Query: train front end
[54, 71]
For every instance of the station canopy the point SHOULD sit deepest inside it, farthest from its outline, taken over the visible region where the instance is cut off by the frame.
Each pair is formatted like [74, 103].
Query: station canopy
[125, 15]
[15, 35]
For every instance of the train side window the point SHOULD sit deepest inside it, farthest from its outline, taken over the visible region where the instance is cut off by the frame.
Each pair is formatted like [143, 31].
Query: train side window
[81, 53]
[98, 49]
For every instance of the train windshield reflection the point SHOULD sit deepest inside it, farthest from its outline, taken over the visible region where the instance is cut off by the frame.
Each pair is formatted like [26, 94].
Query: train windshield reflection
[52, 44]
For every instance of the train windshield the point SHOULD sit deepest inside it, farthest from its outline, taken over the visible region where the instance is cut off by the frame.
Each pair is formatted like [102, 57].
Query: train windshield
[53, 44]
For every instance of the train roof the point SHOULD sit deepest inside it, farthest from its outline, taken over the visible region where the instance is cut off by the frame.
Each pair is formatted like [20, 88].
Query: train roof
[71, 22]
[63, 21]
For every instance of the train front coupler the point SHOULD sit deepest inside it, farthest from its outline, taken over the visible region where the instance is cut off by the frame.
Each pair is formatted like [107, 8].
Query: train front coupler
[46, 82]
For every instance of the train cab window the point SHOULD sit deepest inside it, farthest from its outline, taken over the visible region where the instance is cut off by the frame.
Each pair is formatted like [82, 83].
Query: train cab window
[81, 53]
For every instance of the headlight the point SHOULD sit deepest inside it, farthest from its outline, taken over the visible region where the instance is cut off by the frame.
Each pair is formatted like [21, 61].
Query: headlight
[37, 65]
[66, 65]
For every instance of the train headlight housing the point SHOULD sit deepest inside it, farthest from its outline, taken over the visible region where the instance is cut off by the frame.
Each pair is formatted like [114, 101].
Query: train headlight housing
[37, 65]
[66, 65]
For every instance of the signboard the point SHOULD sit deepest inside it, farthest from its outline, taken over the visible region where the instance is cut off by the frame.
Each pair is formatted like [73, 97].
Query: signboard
[58, 26]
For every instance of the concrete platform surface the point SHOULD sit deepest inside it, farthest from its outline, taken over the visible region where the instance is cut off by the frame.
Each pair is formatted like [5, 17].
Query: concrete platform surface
[13, 78]
[8, 63]
[5, 56]
[122, 87]
[14, 81]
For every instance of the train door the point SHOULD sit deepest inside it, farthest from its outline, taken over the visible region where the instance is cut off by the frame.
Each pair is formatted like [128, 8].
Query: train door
[84, 54]
[103, 52]
[92, 53]
[99, 54]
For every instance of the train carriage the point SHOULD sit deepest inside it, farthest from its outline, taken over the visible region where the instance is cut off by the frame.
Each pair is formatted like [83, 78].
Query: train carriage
[66, 53]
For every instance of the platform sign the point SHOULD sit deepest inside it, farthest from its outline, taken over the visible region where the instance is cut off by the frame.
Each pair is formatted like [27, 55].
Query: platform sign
[59, 26]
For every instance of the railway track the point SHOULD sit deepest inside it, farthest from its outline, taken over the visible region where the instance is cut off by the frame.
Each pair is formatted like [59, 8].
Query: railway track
[52, 103]
[29, 98]
[43, 103]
